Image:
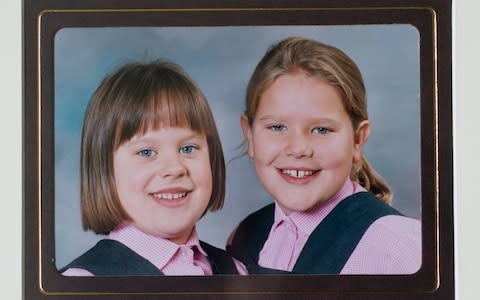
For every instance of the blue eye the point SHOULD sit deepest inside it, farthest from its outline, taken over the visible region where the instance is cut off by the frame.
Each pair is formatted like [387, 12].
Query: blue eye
[187, 149]
[146, 152]
[277, 127]
[321, 130]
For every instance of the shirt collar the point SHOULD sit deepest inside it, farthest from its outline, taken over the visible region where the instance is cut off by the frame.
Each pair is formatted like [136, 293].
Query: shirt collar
[307, 221]
[194, 242]
[157, 250]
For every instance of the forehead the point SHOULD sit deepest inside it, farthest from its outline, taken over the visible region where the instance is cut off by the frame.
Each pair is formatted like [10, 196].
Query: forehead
[300, 94]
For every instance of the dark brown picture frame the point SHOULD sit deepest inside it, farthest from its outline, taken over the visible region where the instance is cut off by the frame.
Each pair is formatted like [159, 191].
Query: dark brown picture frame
[434, 280]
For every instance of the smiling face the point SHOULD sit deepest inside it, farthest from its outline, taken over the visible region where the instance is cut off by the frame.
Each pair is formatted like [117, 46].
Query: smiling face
[164, 181]
[302, 141]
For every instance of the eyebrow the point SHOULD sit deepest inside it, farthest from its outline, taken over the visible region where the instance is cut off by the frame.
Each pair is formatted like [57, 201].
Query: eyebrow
[310, 120]
[267, 118]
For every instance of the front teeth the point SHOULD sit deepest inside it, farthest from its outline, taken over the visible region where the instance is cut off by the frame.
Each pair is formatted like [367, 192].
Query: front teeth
[171, 196]
[297, 173]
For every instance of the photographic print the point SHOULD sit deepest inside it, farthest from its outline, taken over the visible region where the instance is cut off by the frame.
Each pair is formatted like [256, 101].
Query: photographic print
[396, 48]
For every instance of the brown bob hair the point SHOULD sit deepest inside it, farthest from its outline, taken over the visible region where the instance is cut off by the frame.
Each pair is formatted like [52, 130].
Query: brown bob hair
[330, 65]
[133, 99]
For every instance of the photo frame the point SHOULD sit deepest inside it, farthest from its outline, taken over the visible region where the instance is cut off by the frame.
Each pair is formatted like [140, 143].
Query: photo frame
[45, 23]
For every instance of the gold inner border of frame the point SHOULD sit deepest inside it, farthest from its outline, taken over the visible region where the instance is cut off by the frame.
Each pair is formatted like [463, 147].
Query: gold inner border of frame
[256, 292]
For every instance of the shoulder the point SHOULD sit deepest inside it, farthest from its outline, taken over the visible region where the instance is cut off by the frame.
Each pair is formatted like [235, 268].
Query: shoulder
[110, 257]
[76, 272]
[259, 220]
[397, 230]
[100, 254]
[263, 212]
[212, 249]
[400, 226]
[391, 245]
[223, 257]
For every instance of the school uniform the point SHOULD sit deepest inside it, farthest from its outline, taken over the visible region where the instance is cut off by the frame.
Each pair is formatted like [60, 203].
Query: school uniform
[352, 233]
[129, 251]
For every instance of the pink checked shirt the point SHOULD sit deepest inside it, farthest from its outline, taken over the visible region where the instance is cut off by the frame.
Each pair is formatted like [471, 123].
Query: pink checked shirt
[391, 245]
[167, 256]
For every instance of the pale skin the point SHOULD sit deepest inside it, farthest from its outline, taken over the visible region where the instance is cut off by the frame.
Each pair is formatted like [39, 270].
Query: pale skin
[164, 181]
[302, 141]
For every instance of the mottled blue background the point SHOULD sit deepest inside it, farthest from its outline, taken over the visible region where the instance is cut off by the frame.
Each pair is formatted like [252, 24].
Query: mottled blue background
[221, 60]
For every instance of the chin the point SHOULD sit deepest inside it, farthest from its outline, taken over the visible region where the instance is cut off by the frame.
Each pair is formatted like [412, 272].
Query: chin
[300, 207]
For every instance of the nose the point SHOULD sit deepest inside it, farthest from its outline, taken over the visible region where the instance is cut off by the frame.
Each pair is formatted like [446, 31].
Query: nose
[298, 145]
[172, 167]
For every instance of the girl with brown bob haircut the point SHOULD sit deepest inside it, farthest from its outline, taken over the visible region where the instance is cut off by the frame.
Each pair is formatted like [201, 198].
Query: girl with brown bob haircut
[151, 166]
[305, 125]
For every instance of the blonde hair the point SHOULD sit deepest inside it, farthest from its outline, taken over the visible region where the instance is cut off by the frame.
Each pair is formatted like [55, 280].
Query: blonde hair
[330, 65]
[130, 101]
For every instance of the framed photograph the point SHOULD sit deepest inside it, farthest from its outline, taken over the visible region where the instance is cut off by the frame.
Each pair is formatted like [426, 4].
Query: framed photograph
[402, 48]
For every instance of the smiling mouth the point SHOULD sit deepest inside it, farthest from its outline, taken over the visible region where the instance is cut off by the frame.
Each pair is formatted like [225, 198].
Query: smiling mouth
[170, 196]
[298, 173]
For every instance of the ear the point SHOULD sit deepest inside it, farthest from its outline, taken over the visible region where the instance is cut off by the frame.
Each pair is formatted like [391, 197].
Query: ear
[247, 133]
[361, 136]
